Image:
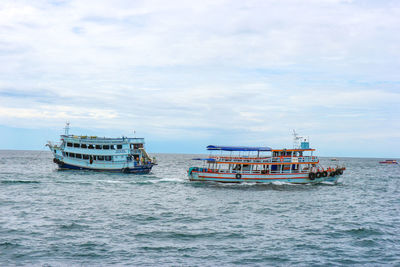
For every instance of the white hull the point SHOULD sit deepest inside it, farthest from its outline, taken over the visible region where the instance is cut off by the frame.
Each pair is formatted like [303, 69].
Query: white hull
[298, 178]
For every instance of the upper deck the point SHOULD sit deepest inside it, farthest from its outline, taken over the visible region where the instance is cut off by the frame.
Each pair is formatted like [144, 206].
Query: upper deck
[253, 157]
[266, 160]
[101, 140]
[292, 150]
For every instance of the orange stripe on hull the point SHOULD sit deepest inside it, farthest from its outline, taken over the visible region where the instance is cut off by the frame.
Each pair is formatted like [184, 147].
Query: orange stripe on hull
[295, 173]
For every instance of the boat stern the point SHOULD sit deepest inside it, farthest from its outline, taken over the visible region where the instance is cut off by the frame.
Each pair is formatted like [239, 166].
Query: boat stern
[193, 173]
[57, 153]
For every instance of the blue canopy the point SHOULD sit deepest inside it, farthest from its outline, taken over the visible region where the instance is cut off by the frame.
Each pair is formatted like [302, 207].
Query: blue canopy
[238, 148]
[210, 159]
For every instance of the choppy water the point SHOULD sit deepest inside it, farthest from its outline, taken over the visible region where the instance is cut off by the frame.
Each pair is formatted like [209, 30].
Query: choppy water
[54, 218]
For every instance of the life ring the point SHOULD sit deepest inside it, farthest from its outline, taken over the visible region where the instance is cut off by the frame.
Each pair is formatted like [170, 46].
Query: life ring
[238, 176]
[324, 173]
[281, 158]
[332, 174]
[318, 175]
[311, 175]
[55, 160]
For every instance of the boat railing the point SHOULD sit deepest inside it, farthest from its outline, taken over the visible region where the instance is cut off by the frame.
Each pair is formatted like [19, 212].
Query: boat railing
[134, 151]
[105, 152]
[102, 140]
[267, 160]
[211, 170]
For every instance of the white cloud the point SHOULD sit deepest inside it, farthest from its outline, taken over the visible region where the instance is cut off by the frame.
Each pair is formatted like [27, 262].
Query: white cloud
[213, 66]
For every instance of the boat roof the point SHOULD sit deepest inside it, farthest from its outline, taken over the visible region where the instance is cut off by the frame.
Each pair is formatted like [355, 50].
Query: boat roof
[97, 139]
[238, 148]
[208, 159]
[295, 149]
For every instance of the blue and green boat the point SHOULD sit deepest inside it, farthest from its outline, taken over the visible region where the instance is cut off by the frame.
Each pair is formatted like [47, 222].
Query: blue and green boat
[95, 153]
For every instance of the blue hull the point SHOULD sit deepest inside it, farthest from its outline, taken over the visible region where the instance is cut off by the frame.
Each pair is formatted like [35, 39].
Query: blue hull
[136, 170]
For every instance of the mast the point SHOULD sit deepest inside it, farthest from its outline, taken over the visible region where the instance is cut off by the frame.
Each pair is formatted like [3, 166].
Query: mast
[296, 139]
[66, 128]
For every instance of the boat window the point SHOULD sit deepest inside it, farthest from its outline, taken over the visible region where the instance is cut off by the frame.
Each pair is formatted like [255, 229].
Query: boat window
[69, 144]
[112, 147]
[91, 147]
[100, 157]
[85, 156]
[76, 145]
[106, 147]
[237, 167]
[63, 153]
[119, 146]
[246, 167]
[108, 158]
[78, 156]
[66, 153]
[98, 146]
[83, 146]
[72, 155]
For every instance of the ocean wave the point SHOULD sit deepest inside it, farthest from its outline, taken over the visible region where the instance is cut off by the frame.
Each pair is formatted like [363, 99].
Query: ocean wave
[20, 182]
[9, 245]
[73, 226]
[363, 232]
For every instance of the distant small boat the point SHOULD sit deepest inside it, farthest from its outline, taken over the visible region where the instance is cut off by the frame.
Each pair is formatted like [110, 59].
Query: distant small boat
[389, 161]
[334, 159]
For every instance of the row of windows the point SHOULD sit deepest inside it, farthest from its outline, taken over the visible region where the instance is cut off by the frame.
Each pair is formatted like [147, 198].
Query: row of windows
[106, 147]
[84, 156]
[287, 153]
[94, 146]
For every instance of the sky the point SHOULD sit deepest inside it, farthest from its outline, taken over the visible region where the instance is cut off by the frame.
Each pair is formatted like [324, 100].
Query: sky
[187, 74]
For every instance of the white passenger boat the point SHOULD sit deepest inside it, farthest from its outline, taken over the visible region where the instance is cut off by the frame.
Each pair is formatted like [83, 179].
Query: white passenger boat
[123, 154]
[237, 164]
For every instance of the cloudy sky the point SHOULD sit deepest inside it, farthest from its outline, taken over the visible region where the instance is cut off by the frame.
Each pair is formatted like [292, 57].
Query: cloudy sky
[185, 74]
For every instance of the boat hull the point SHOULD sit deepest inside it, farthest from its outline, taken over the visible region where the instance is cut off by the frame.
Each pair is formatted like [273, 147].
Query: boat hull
[145, 169]
[295, 178]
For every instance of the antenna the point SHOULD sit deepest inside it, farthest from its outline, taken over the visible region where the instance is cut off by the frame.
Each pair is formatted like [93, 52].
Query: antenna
[66, 128]
[296, 138]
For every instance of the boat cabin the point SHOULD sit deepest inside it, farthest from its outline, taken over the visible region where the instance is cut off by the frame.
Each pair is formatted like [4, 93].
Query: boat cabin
[261, 160]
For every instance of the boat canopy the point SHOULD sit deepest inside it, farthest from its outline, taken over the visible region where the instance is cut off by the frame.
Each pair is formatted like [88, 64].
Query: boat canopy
[208, 159]
[238, 148]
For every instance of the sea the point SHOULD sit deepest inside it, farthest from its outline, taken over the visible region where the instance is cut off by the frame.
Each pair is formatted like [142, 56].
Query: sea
[82, 218]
